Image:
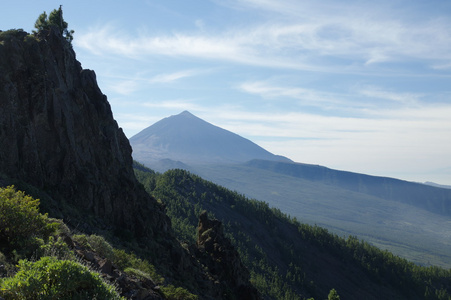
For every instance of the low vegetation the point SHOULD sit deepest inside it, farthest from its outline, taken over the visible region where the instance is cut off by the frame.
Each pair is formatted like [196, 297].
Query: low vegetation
[51, 278]
[37, 263]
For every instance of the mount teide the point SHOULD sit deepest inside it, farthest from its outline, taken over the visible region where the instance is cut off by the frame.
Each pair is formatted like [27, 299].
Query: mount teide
[409, 219]
[188, 139]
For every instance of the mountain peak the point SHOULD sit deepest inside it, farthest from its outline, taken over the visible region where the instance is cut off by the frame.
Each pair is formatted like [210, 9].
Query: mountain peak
[191, 140]
[186, 113]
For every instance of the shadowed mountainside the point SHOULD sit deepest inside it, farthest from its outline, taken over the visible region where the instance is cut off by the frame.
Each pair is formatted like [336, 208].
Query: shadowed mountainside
[58, 133]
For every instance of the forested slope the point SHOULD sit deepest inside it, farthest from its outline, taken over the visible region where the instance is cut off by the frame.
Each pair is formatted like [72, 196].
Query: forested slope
[288, 259]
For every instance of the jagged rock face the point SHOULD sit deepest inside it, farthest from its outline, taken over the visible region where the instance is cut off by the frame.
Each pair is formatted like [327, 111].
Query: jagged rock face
[223, 260]
[57, 132]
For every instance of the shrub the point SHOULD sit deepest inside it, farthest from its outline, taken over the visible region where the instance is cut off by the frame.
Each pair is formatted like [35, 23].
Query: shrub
[101, 246]
[128, 261]
[137, 273]
[20, 218]
[55, 247]
[82, 239]
[173, 293]
[50, 278]
[60, 227]
[8, 34]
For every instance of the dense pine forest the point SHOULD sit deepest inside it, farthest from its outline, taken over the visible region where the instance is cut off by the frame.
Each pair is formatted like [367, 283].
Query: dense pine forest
[288, 259]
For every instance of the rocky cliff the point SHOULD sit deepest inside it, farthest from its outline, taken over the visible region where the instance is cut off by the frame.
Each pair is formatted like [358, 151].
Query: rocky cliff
[57, 133]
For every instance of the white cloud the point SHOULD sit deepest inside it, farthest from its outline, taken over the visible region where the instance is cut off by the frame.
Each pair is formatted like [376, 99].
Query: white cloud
[170, 77]
[310, 97]
[402, 98]
[370, 31]
[292, 44]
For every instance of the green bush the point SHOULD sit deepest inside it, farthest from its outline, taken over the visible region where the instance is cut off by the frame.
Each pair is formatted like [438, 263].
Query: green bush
[96, 243]
[137, 273]
[333, 295]
[82, 239]
[177, 293]
[101, 246]
[128, 261]
[50, 278]
[8, 34]
[55, 247]
[60, 227]
[20, 218]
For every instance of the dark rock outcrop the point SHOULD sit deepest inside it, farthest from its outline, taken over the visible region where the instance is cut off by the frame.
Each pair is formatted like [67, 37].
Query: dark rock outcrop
[223, 261]
[57, 133]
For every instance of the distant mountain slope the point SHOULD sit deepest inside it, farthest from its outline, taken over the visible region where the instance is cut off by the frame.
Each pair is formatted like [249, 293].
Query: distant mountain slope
[409, 219]
[433, 199]
[406, 230]
[191, 140]
[289, 260]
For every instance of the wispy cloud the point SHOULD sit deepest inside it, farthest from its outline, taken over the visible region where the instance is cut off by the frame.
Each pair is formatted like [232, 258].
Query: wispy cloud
[171, 77]
[305, 96]
[409, 99]
[290, 45]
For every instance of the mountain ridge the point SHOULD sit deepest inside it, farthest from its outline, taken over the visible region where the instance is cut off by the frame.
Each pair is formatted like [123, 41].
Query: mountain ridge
[379, 186]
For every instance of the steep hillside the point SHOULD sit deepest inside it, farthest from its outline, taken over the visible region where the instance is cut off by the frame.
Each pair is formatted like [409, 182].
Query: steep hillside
[191, 140]
[59, 140]
[287, 259]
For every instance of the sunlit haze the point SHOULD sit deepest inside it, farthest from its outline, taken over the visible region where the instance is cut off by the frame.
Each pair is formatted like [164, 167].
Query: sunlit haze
[362, 86]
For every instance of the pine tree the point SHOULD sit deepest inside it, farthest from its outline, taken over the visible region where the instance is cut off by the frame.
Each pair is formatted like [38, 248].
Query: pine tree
[54, 19]
[333, 295]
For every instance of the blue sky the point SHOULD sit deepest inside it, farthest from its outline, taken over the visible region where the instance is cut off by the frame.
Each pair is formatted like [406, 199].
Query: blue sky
[362, 86]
